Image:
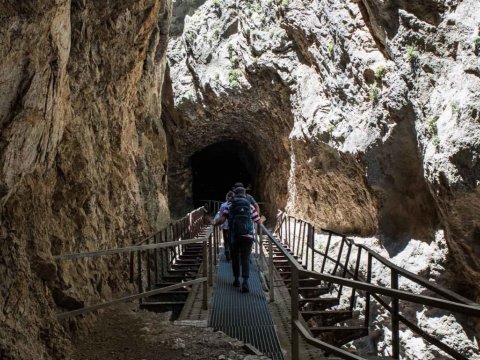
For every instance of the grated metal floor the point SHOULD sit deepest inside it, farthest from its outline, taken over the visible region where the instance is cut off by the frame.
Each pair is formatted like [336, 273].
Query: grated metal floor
[244, 316]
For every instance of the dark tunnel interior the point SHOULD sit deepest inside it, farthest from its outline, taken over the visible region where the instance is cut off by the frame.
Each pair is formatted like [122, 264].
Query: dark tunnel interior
[217, 167]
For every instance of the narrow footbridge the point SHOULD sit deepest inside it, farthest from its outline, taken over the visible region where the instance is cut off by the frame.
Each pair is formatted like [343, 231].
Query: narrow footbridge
[324, 279]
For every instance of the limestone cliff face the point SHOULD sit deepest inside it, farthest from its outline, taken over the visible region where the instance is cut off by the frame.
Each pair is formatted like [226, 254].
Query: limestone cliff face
[374, 119]
[83, 156]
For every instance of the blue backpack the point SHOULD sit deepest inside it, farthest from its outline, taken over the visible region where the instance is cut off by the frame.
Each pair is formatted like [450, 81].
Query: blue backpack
[240, 218]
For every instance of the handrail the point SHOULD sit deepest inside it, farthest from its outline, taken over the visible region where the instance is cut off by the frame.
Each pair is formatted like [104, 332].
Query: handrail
[397, 294]
[452, 302]
[401, 271]
[190, 225]
[129, 298]
[471, 309]
[411, 276]
[285, 253]
[129, 249]
[322, 344]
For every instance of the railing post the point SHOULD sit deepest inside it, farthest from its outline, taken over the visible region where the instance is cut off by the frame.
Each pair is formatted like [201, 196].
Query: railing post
[204, 273]
[367, 295]
[312, 239]
[149, 275]
[326, 253]
[155, 259]
[260, 241]
[210, 260]
[215, 242]
[395, 320]
[303, 226]
[339, 257]
[139, 270]
[256, 242]
[270, 270]
[294, 245]
[306, 232]
[294, 312]
[355, 277]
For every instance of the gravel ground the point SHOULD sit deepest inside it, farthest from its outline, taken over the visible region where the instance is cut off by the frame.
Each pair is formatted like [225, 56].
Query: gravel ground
[125, 333]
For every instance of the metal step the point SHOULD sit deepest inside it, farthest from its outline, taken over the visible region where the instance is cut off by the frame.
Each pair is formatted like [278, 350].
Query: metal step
[339, 335]
[171, 296]
[313, 291]
[178, 277]
[306, 282]
[319, 303]
[327, 318]
[190, 257]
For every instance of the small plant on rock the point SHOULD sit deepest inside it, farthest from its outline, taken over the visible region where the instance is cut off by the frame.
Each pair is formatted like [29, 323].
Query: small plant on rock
[330, 128]
[330, 47]
[436, 141]
[233, 78]
[455, 106]
[216, 3]
[411, 53]
[373, 94]
[476, 40]
[284, 3]
[379, 72]
[432, 126]
[234, 61]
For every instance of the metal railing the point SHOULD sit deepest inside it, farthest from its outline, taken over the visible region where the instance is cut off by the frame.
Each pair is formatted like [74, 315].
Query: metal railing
[299, 236]
[151, 258]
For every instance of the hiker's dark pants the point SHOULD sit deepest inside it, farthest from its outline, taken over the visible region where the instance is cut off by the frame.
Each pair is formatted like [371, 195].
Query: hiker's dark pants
[240, 253]
[226, 242]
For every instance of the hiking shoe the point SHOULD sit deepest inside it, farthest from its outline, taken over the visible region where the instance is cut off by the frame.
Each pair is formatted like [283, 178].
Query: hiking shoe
[236, 283]
[245, 288]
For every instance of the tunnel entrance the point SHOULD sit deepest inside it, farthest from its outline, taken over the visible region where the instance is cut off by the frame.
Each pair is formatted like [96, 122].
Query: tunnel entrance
[217, 167]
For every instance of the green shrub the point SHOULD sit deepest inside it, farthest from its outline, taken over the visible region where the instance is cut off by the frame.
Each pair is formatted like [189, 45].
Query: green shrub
[411, 53]
[436, 141]
[216, 3]
[373, 94]
[234, 61]
[330, 128]
[284, 3]
[476, 40]
[432, 125]
[234, 77]
[330, 47]
[379, 72]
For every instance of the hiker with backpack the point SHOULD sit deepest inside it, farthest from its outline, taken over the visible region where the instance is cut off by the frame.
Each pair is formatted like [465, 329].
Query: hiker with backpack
[241, 215]
[248, 196]
[224, 226]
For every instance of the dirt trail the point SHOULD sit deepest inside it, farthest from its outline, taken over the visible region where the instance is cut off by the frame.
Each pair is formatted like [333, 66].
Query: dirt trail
[127, 333]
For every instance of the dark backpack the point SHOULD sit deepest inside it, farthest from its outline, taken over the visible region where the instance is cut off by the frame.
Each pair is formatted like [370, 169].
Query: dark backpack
[240, 217]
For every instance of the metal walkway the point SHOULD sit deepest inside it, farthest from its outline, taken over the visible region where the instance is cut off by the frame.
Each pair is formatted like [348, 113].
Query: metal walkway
[244, 316]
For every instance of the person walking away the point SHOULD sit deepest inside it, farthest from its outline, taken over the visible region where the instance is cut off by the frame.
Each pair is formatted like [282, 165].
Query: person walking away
[224, 226]
[241, 215]
[248, 196]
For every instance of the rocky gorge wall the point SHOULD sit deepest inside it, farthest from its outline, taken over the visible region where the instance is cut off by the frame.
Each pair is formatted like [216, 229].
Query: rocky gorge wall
[369, 109]
[372, 110]
[83, 156]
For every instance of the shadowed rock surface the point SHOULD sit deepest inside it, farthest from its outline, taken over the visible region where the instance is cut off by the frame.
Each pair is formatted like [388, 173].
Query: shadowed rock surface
[363, 117]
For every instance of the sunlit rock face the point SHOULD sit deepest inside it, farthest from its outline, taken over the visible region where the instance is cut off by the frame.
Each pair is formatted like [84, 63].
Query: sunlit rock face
[83, 156]
[371, 108]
